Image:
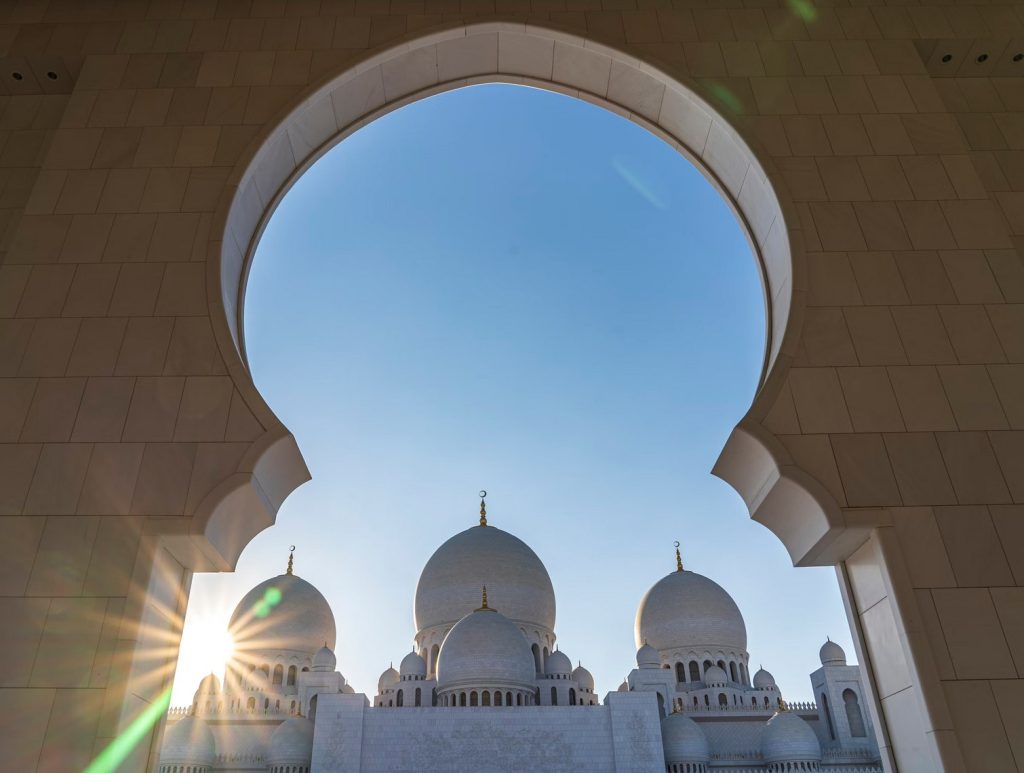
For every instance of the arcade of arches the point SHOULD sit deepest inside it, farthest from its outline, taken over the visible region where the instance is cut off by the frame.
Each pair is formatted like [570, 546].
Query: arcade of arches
[875, 155]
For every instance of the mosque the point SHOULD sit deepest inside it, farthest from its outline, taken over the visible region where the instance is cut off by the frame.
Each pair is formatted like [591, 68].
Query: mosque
[485, 687]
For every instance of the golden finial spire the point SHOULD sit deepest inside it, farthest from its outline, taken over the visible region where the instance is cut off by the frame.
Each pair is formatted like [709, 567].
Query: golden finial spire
[483, 511]
[291, 558]
[679, 558]
[483, 605]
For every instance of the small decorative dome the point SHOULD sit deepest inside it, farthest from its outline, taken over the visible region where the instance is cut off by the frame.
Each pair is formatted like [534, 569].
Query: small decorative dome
[449, 586]
[558, 664]
[348, 689]
[832, 654]
[583, 677]
[189, 741]
[209, 685]
[686, 610]
[283, 613]
[684, 741]
[763, 680]
[715, 675]
[387, 680]
[484, 649]
[648, 657]
[787, 738]
[292, 742]
[413, 665]
[624, 687]
[324, 659]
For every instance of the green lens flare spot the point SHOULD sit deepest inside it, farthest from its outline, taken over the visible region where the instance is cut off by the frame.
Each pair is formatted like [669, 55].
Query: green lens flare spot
[725, 97]
[272, 596]
[804, 9]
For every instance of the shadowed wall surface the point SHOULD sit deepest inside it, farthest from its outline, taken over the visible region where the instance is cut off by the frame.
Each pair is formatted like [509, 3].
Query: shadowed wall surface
[875, 154]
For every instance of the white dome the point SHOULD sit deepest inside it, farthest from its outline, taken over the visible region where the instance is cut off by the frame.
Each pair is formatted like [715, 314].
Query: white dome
[413, 665]
[485, 648]
[648, 657]
[292, 742]
[324, 659]
[209, 685]
[787, 738]
[282, 613]
[583, 677]
[687, 610]
[388, 679]
[832, 654]
[624, 687]
[518, 583]
[558, 664]
[189, 741]
[763, 680]
[683, 740]
[715, 675]
[348, 689]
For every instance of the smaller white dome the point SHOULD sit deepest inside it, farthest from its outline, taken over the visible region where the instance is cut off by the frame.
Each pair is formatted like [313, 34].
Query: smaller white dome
[413, 665]
[209, 685]
[648, 657]
[348, 689]
[715, 675]
[624, 687]
[763, 680]
[787, 738]
[189, 741]
[558, 664]
[324, 659]
[388, 679]
[485, 649]
[832, 654]
[683, 740]
[583, 677]
[292, 742]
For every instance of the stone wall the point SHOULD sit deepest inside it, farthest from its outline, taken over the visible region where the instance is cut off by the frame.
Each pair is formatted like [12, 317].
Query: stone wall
[875, 153]
[622, 735]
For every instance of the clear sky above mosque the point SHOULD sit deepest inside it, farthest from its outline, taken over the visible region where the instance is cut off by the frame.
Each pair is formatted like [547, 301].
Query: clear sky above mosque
[508, 289]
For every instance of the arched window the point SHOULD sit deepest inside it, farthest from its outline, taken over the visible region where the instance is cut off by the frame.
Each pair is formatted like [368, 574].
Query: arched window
[519, 699]
[554, 697]
[680, 672]
[418, 697]
[291, 709]
[278, 674]
[433, 697]
[853, 714]
[721, 665]
[400, 698]
[497, 697]
[474, 699]
[707, 700]
[828, 716]
[265, 669]
[766, 701]
[707, 665]
[572, 697]
[251, 705]
[291, 675]
[661, 705]
[694, 671]
[508, 699]
[732, 671]
[432, 663]
[277, 705]
[722, 700]
[743, 674]
[462, 699]
[485, 698]
[536, 658]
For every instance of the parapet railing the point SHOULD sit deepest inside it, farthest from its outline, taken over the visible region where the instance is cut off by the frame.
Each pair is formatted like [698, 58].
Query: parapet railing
[804, 706]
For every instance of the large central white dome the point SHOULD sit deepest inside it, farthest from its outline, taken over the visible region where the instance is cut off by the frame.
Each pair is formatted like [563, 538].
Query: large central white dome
[283, 613]
[517, 582]
[686, 610]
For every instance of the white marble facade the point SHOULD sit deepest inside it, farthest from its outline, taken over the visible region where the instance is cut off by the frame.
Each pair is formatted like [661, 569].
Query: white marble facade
[485, 687]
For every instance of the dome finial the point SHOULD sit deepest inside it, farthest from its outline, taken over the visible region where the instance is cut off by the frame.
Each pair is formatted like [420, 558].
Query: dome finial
[679, 558]
[483, 510]
[483, 605]
[291, 558]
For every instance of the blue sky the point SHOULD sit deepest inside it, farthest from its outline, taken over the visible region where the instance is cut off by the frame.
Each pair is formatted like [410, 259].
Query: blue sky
[509, 289]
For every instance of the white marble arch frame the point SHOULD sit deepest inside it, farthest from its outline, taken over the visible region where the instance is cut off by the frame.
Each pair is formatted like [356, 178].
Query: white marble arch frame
[778, 494]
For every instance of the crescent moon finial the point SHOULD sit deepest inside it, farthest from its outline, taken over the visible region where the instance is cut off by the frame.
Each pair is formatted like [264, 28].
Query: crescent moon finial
[483, 508]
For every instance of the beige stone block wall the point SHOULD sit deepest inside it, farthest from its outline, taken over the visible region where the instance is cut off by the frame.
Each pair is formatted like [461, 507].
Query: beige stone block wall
[883, 187]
